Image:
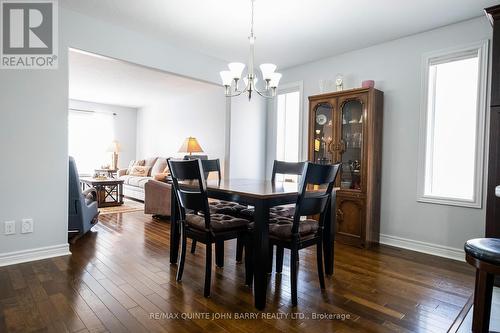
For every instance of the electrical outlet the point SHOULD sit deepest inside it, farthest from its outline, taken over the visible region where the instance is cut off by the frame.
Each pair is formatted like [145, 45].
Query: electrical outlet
[26, 226]
[9, 227]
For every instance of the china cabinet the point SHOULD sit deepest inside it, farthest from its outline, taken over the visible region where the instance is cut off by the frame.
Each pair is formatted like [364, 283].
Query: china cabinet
[346, 126]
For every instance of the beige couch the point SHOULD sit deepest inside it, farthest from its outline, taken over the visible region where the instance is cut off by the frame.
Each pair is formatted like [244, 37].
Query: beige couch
[155, 193]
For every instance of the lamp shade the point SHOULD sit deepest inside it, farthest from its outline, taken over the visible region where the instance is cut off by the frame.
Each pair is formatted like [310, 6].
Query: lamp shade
[275, 80]
[227, 77]
[267, 70]
[190, 145]
[236, 69]
[255, 80]
[114, 147]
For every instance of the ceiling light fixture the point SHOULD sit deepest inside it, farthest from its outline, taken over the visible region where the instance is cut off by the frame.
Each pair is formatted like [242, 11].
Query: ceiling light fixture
[232, 77]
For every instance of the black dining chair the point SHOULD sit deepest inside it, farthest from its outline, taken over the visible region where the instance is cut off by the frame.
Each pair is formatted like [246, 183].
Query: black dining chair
[218, 207]
[296, 233]
[196, 221]
[279, 168]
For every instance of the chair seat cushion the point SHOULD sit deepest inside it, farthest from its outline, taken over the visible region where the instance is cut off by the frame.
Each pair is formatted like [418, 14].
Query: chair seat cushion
[247, 213]
[284, 211]
[225, 207]
[281, 227]
[486, 249]
[218, 222]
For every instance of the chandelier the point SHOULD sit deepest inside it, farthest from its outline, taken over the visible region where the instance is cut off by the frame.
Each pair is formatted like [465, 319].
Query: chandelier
[231, 78]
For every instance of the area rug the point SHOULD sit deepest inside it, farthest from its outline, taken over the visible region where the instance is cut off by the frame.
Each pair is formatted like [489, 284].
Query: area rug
[127, 207]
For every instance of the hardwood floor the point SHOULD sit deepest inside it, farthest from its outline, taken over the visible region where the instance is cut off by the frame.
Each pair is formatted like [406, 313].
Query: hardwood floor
[119, 279]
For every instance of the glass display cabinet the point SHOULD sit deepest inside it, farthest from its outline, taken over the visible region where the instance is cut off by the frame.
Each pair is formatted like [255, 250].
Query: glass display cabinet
[346, 127]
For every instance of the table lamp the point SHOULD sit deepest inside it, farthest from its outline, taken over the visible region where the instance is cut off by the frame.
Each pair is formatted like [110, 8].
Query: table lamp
[190, 145]
[114, 148]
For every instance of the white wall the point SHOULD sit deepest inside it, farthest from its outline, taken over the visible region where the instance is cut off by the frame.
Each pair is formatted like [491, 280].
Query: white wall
[125, 126]
[33, 127]
[396, 68]
[163, 125]
[248, 137]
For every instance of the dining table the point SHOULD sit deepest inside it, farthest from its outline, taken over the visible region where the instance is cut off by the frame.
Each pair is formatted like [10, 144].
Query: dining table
[262, 195]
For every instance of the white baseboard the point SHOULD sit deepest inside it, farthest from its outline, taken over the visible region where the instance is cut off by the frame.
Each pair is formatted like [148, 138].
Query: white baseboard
[17, 257]
[429, 248]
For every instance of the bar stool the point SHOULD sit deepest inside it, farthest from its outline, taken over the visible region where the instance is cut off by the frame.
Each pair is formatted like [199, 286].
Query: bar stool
[484, 254]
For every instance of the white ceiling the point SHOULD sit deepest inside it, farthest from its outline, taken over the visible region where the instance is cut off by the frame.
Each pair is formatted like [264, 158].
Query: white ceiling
[289, 32]
[103, 80]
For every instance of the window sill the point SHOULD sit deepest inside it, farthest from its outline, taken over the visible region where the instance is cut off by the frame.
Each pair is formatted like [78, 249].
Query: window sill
[449, 202]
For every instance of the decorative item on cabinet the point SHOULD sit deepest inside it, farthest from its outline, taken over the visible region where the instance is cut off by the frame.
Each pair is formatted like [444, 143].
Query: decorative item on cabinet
[325, 85]
[339, 82]
[351, 134]
[368, 84]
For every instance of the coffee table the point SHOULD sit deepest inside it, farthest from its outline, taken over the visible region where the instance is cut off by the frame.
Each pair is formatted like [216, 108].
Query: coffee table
[109, 191]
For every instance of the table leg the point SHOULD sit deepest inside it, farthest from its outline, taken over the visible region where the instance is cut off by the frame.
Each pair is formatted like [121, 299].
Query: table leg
[100, 199]
[329, 236]
[261, 250]
[174, 228]
[120, 193]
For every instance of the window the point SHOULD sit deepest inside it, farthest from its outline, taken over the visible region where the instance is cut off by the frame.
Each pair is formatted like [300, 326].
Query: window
[452, 128]
[89, 136]
[288, 126]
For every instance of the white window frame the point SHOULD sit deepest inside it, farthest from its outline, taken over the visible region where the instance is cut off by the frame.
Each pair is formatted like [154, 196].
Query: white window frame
[284, 89]
[481, 49]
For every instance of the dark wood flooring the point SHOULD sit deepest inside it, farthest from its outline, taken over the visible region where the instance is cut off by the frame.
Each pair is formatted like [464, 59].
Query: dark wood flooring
[119, 277]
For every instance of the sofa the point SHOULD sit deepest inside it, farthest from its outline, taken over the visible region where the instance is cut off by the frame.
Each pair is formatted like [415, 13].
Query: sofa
[151, 187]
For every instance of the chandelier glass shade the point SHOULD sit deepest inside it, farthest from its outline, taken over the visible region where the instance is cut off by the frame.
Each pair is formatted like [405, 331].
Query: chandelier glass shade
[231, 79]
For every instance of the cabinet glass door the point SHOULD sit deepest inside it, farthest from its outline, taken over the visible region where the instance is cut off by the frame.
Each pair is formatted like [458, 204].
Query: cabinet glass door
[351, 144]
[323, 133]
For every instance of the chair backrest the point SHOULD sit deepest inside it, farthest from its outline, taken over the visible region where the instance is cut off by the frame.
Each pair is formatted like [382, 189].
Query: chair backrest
[193, 157]
[211, 166]
[315, 201]
[74, 189]
[190, 187]
[286, 168]
[75, 199]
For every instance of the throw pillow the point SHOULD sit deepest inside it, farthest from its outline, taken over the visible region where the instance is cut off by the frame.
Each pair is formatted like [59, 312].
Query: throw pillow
[160, 176]
[134, 163]
[140, 171]
[159, 166]
[130, 165]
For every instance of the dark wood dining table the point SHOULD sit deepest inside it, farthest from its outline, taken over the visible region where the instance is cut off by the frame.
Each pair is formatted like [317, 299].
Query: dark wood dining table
[262, 195]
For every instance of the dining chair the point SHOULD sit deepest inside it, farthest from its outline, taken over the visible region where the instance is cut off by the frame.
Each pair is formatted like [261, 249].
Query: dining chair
[295, 233]
[196, 221]
[279, 168]
[219, 207]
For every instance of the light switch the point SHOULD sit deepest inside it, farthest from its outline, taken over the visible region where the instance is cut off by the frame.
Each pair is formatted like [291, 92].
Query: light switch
[9, 227]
